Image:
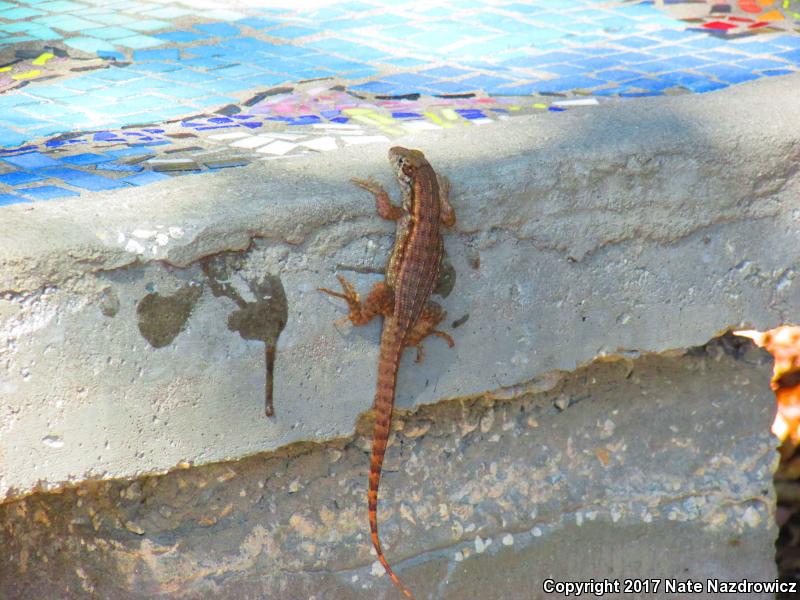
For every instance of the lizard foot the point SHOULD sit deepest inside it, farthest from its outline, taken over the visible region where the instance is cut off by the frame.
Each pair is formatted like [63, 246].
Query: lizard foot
[370, 184]
[380, 301]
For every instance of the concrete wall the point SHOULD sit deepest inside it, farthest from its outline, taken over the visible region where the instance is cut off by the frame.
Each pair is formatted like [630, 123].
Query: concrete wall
[657, 467]
[134, 331]
[625, 228]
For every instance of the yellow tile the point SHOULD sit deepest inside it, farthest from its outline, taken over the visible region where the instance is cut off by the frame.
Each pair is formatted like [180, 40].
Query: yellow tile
[449, 114]
[42, 58]
[766, 2]
[437, 119]
[773, 15]
[4, 69]
[540, 105]
[27, 75]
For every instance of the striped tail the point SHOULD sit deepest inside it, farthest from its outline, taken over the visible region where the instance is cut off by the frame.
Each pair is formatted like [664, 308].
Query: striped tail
[391, 351]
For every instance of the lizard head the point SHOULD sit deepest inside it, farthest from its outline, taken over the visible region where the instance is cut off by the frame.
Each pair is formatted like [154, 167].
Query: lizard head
[405, 163]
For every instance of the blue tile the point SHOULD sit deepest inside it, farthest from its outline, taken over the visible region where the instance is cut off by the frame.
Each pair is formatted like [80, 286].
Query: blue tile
[149, 25]
[145, 178]
[669, 34]
[653, 85]
[547, 58]
[10, 138]
[31, 160]
[19, 178]
[160, 54]
[759, 64]
[564, 84]
[139, 41]
[258, 23]
[409, 79]
[375, 87]
[59, 6]
[293, 32]
[774, 72]
[9, 199]
[635, 42]
[180, 36]
[602, 62]
[565, 70]
[218, 29]
[130, 151]
[445, 72]
[757, 48]
[710, 87]
[617, 75]
[405, 61]
[729, 74]
[117, 74]
[706, 42]
[793, 56]
[86, 158]
[788, 41]
[48, 192]
[110, 33]
[82, 179]
[155, 67]
[119, 167]
[485, 82]
[521, 90]
[450, 87]
[188, 76]
[88, 44]
[18, 14]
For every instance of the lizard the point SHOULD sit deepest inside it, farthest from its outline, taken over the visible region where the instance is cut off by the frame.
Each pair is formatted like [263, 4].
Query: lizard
[402, 298]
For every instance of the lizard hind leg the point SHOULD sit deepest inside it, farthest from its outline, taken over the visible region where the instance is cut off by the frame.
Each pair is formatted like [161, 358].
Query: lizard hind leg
[379, 301]
[425, 325]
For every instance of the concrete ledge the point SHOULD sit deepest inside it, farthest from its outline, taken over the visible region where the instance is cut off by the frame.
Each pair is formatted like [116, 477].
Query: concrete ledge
[653, 468]
[623, 229]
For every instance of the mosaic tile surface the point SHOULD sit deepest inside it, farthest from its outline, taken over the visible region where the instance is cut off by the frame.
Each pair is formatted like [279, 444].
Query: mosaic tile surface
[98, 95]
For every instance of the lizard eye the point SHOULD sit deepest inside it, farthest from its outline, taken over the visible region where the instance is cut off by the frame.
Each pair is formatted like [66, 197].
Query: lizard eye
[407, 170]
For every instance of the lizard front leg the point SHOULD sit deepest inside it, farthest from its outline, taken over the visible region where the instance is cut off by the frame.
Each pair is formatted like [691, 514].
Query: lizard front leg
[386, 209]
[425, 325]
[379, 301]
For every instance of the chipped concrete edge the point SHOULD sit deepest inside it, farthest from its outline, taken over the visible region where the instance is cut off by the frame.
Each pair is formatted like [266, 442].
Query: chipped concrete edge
[527, 175]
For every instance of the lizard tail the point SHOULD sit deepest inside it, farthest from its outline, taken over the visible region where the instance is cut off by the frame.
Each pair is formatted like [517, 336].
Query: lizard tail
[391, 350]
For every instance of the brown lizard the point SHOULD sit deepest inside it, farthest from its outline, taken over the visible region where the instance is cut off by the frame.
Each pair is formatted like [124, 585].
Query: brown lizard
[403, 297]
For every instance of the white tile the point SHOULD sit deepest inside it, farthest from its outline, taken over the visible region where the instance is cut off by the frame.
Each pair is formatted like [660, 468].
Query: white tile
[278, 147]
[255, 141]
[323, 144]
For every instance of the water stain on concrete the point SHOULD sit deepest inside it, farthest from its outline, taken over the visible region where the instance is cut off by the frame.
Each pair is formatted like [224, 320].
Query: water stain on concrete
[263, 318]
[162, 318]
